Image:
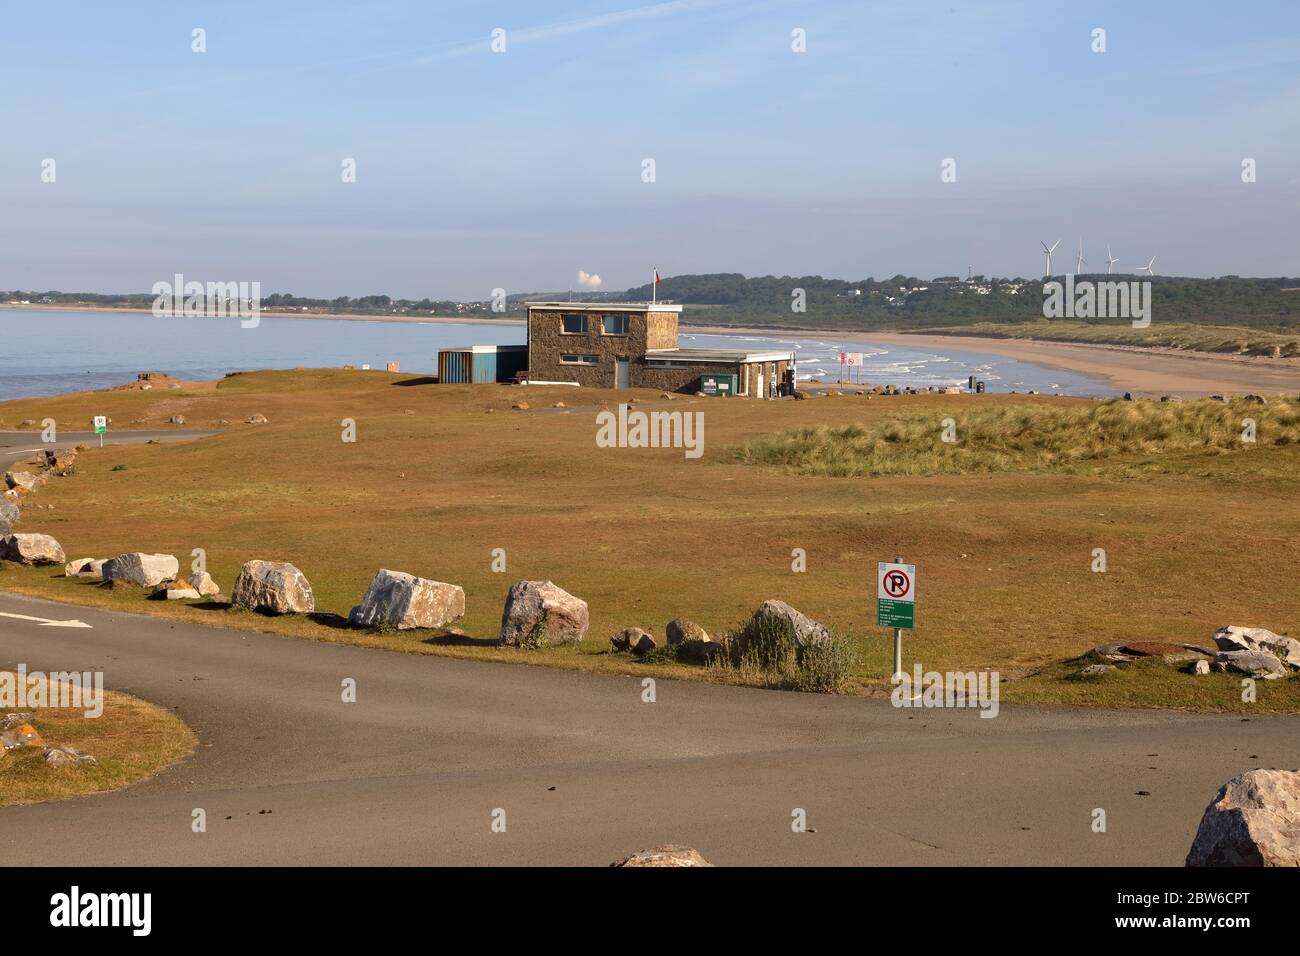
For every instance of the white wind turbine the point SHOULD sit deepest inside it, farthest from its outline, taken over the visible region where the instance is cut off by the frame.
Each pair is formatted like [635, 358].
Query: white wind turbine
[1147, 268]
[1110, 260]
[1080, 262]
[1048, 253]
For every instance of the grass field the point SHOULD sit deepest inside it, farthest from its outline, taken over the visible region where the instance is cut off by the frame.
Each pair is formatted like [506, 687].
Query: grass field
[132, 739]
[1172, 335]
[1196, 535]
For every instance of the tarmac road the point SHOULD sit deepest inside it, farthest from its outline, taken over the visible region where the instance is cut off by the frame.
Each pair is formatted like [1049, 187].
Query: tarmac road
[586, 772]
[17, 446]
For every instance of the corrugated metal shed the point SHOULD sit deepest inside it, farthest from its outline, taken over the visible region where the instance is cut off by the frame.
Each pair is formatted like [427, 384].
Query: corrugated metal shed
[480, 364]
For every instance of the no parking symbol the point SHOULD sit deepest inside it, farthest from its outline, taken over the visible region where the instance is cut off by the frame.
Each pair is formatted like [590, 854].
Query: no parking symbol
[895, 595]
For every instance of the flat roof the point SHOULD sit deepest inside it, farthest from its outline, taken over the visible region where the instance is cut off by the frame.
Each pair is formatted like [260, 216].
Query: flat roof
[715, 355]
[605, 306]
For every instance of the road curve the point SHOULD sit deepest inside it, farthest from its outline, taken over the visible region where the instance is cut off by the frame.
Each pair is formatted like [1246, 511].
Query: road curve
[585, 771]
[16, 446]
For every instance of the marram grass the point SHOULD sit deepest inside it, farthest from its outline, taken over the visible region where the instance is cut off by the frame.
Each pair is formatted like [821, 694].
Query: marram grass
[1027, 438]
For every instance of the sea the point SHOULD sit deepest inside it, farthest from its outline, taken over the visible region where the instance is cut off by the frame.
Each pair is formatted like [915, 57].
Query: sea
[48, 352]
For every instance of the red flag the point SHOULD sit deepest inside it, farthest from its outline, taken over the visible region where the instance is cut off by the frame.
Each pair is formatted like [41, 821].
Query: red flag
[657, 279]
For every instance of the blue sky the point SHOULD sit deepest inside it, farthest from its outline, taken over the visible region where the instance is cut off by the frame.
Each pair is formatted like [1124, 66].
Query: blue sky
[478, 170]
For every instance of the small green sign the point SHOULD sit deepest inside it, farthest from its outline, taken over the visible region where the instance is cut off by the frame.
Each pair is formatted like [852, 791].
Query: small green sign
[891, 613]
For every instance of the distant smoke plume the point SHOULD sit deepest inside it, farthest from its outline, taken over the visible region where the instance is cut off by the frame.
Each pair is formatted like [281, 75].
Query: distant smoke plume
[590, 281]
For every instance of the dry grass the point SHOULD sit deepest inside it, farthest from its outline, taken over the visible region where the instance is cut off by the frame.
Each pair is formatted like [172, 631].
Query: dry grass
[132, 739]
[645, 535]
[1028, 437]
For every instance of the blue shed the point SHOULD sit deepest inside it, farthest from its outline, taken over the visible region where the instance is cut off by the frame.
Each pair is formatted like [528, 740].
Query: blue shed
[479, 364]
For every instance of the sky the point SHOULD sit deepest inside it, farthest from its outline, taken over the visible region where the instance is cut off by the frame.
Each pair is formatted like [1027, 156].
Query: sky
[519, 169]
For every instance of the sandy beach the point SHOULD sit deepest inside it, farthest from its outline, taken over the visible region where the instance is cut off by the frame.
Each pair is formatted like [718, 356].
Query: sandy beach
[1142, 371]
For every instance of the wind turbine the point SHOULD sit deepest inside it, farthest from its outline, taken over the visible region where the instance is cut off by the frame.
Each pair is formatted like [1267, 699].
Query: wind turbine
[1048, 253]
[1110, 260]
[1081, 261]
[1147, 268]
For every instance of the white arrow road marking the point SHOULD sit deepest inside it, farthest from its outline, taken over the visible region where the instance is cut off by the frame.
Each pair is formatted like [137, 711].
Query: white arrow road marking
[46, 622]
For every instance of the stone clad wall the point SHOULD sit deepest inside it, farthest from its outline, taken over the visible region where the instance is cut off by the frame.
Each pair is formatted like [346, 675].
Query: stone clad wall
[661, 330]
[547, 342]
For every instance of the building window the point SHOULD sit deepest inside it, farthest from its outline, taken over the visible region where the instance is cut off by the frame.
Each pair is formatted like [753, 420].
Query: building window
[580, 359]
[575, 324]
[616, 325]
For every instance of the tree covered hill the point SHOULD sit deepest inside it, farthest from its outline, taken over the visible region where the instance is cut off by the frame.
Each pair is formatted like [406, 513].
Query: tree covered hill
[899, 302]
[906, 302]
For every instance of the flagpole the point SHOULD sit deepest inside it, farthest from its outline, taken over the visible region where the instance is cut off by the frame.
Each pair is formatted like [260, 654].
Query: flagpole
[654, 286]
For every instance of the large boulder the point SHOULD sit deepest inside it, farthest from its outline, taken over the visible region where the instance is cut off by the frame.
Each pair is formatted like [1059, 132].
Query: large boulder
[403, 601]
[1252, 663]
[23, 480]
[85, 568]
[31, 549]
[693, 642]
[1254, 820]
[8, 515]
[270, 586]
[779, 615]
[540, 612]
[680, 629]
[142, 570]
[1232, 637]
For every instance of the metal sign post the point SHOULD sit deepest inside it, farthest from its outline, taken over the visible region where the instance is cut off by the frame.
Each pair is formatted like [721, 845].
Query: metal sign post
[896, 602]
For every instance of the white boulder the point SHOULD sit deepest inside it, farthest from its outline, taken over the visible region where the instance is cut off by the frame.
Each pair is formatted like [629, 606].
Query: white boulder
[140, 569]
[276, 587]
[402, 600]
[31, 549]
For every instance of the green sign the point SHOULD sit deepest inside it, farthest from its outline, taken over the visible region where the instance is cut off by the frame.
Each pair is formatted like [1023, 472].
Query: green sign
[895, 595]
[891, 613]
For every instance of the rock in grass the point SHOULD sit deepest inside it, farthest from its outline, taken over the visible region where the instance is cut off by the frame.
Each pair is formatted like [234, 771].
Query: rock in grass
[31, 549]
[1233, 637]
[142, 570]
[10, 721]
[680, 629]
[668, 855]
[202, 582]
[23, 480]
[633, 639]
[780, 616]
[68, 757]
[175, 591]
[1254, 820]
[279, 588]
[1252, 663]
[537, 613]
[85, 568]
[8, 515]
[1096, 670]
[21, 735]
[403, 601]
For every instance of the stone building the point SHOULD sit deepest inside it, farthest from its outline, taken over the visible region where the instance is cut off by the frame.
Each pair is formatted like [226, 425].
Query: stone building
[634, 345]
